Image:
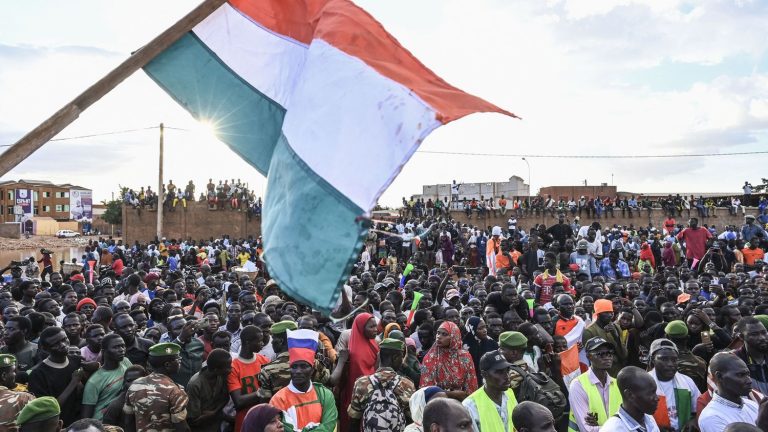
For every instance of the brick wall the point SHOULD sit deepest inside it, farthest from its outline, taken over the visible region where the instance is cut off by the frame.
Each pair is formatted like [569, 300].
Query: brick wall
[196, 222]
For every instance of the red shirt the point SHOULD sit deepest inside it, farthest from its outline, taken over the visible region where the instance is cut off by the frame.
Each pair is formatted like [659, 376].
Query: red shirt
[695, 242]
[545, 287]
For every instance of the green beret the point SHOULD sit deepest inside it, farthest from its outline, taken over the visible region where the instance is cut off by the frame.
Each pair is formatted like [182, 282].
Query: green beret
[393, 344]
[164, 349]
[42, 408]
[282, 326]
[397, 334]
[512, 339]
[762, 318]
[7, 360]
[676, 328]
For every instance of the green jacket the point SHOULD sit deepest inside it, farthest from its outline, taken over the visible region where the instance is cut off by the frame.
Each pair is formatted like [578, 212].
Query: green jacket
[330, 415]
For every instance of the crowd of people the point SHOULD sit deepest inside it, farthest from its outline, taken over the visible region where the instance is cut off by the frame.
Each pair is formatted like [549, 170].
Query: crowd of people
[442, 326]
[231, 194]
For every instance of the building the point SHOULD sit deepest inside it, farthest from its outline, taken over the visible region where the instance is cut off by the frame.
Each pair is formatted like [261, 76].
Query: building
[26, 199]
[515, 186]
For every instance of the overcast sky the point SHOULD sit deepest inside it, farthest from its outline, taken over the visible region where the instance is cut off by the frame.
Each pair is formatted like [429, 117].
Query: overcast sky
[588, 77]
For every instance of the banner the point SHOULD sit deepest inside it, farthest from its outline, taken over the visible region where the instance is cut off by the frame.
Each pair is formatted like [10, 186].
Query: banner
[24, 201]
[80, 204]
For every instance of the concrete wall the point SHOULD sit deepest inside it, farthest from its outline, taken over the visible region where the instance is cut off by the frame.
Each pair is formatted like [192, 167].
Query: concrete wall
[575, 192]
[657, 217]
[10, 230]
[196, 222]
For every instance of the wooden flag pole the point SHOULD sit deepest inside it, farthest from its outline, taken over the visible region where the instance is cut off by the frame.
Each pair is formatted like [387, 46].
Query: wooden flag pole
[46, 130]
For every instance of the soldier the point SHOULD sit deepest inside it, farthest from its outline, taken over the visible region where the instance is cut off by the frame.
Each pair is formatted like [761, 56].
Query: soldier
[11, 402]
[688, 363]
[155, 402]
[41, 414]
[277, 374]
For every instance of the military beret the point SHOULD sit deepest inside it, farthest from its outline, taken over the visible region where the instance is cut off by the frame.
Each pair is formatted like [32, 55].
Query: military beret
[676, 328]
[762, 318]
[393, 344]
[7, 360]
[164, 349]
[282, 326]
[512, 339]
[38, 409]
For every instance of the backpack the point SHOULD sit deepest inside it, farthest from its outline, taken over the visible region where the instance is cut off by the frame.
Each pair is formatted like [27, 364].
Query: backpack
[538, 387]
[382, 413]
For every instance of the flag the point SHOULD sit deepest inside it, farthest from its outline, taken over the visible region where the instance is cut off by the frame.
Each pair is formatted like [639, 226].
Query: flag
[569, 364]
[318, 97]
[415, 305]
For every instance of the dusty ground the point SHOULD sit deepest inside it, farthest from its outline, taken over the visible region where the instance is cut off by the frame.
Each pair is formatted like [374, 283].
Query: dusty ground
[48, 242]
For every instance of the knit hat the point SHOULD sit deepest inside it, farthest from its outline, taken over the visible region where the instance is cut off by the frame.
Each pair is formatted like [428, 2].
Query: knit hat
[282, 326]
[676, 328]
[513, 339]
[38, 409]
[302, 345]
[85, 301]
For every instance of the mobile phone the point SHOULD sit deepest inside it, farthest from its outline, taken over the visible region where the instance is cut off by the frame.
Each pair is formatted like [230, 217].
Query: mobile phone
[202, 324]
[706, 337]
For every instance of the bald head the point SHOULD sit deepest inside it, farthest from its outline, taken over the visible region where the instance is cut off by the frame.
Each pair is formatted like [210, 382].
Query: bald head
[443, 414]
[633, 378]
[722, 361]
[741, 427]
[532, 417]
[731, 375]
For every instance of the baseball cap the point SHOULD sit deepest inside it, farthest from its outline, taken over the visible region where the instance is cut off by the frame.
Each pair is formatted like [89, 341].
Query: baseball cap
[493, 360]
[595, 343]
[451, 294]
[660, 344]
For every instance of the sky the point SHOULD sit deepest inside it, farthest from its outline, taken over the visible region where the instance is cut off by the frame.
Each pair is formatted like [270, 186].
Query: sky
[588, 77]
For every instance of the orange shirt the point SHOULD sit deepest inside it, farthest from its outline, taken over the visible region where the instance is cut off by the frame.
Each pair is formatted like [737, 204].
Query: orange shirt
[302, 408]
[244, 378]
[750, 255]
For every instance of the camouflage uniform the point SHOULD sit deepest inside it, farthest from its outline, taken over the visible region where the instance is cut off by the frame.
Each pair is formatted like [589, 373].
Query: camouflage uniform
[694, 367]
[11, 402]
[364, 388]
[156, 402]
[277, 374]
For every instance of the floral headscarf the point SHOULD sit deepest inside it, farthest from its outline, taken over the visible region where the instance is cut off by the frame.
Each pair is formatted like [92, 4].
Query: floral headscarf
[451, 368]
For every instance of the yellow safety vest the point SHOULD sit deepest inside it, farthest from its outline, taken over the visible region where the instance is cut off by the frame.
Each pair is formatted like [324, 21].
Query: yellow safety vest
[486, 409]
[596, 404]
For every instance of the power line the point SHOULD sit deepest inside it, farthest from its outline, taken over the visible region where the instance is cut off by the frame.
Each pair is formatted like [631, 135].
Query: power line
[541, 156]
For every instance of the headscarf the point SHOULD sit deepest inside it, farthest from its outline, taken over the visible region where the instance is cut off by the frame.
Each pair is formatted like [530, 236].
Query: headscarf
[259, 417]
[389, 328]
[418, 401]
[476, 346]
[451, 368]
[363, 353]
[135, 298]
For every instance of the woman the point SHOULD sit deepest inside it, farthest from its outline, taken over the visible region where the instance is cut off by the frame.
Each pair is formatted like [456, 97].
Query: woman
[448, 366]
[263, 417]
[419, 400]
[363, 352]
[477, 342]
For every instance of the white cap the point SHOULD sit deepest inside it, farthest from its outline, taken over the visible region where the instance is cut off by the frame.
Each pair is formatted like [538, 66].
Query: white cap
[496, 231]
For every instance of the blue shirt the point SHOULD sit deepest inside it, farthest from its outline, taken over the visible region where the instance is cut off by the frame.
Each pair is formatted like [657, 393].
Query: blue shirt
[607, 271]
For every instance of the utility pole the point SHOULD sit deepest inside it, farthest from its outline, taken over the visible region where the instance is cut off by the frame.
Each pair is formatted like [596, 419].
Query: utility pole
[160, 189]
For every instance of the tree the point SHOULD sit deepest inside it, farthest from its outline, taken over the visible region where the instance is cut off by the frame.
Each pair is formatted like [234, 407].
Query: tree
[762, 187]
[114, 213]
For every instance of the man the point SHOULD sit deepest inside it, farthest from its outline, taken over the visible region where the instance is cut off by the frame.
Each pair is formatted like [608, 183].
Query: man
[594, 395]
[207, 391]
[40, 415]
[749, 229]
[755, 351]
[730, 403]
[300, 399]
[568, 325]
[446, 415]
[137, 348]
[242, 382]
[677, 393]
[234, 313]
[391, 353]
[614, 268]
[17, 330]
[512, 346]
[277, 374]
[58, 375]
[688, 363]
[155, 402]
[11, 402]
[106, 383]
[182, 334]
[638, 394]
[94, 334]
[491, 406]
[532, 417]
[544, 283]
[604, 327]
[582, 258]
[695, 240]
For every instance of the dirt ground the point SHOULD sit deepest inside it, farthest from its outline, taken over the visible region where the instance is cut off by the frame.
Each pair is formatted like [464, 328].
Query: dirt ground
[48, 242]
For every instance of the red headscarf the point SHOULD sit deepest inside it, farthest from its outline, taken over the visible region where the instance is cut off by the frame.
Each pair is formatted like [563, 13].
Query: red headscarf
[451, 368]
[362, 361]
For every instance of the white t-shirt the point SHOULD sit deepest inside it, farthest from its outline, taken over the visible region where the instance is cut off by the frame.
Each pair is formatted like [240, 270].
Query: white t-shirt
[668, 388]
[512, 223]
